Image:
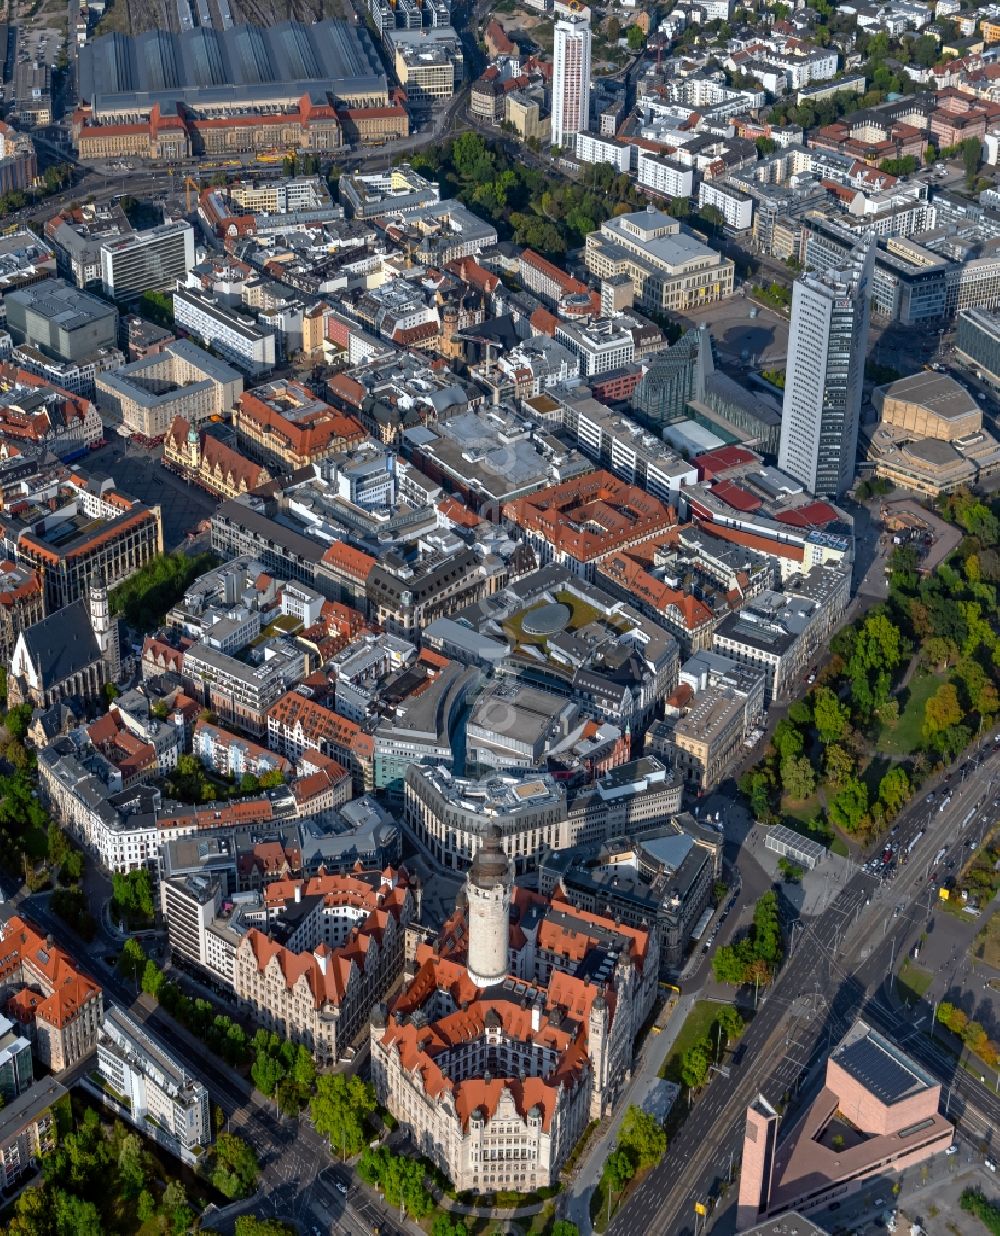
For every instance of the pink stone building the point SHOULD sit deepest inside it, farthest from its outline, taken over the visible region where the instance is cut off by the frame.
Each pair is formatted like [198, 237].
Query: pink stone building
[876, 1114]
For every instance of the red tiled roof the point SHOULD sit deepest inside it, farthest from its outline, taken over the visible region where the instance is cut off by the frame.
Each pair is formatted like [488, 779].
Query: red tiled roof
[29, 957]
[351, 561]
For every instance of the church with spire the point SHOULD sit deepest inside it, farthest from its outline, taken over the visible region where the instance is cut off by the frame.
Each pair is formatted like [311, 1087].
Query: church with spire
[70, 654]
[515, 1029]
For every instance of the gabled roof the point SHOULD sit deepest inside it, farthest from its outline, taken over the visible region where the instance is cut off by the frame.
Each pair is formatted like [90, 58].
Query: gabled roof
[62, 644]
[64, 990]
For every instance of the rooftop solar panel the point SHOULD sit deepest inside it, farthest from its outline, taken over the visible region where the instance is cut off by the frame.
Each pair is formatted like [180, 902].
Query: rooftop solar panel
[879, 1070]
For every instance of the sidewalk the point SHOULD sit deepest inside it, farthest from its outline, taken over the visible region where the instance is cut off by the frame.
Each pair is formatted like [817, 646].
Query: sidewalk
[576, 1199]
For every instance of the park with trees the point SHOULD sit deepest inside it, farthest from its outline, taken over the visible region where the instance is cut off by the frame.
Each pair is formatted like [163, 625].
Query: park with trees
[907, 687]
[546, 213]
[145, 597]
[102, 1179]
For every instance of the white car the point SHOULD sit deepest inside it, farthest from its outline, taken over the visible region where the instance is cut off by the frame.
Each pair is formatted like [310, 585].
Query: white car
[952, 1149]
[989, 1165]
[341, 1188]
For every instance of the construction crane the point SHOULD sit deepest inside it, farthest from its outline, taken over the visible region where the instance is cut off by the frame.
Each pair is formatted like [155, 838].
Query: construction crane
[190, 184]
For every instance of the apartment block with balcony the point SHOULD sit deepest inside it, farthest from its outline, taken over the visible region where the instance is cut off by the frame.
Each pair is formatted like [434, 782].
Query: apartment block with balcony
[150, 1088]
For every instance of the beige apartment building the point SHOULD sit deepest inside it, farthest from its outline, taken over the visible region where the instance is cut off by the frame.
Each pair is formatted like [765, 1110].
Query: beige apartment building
[182, 380]
[343, 954]
[708, 740]
[669, 267]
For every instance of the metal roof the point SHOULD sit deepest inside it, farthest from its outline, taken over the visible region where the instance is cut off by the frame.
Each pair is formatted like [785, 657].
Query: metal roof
[334, 56]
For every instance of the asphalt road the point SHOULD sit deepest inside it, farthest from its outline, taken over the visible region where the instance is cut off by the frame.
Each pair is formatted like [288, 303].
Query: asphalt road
[294, 1159]
[833, 976]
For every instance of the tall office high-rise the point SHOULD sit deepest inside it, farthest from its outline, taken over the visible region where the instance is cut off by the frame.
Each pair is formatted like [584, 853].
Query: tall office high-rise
[570, 79]
[827, 343]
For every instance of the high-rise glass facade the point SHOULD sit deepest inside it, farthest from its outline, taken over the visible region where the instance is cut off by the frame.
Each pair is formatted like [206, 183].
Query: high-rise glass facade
[827, 344]
[570, 79]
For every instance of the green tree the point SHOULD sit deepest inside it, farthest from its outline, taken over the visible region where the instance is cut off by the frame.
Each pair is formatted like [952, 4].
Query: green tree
[798, 778]
[942, 711]
[894, 790]
[17, 721]
[145, 1206]
[831, 718]
[730, 1022]
[694, 1066]
[636, 38]
[788, 740]
[971, 156]
[618, 1171]
[339, 1109]
[236, 1169]
[849, 806]
[642, 1136]
[71, 870]
[132, 894]
[728, 966]
[144, 598]
[443, 1225]
[131, 1172]
[250, 1225]
[613, 28]
[267, 1074]
[175, 1205]
[757, 785]
[73, 1216]
[153, 979]
[57, 845]
[132, 961]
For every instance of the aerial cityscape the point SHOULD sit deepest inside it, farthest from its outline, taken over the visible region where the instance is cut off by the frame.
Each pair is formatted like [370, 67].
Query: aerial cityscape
[499, 629]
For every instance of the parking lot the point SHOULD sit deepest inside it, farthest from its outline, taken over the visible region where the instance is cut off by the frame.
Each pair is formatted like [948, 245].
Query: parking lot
[928, 1194]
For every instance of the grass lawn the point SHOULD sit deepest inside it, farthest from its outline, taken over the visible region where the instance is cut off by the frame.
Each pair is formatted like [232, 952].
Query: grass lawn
[839, 846]
[581, 615]
[799, 816]
[696, 1026]
[904, 737]
[913, 982]
[986, 945]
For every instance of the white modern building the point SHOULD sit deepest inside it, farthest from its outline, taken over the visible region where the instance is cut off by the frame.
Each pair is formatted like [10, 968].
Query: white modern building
[157, 258]
[600, 346]
[597, 148]
[735, 206]
[239, 339]
[150, 1087]
[571, 79]
[827, 344]
[664, 176]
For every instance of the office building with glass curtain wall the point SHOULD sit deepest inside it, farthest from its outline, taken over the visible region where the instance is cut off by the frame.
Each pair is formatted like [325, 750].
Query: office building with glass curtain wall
[827, 344]
[571, 79]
